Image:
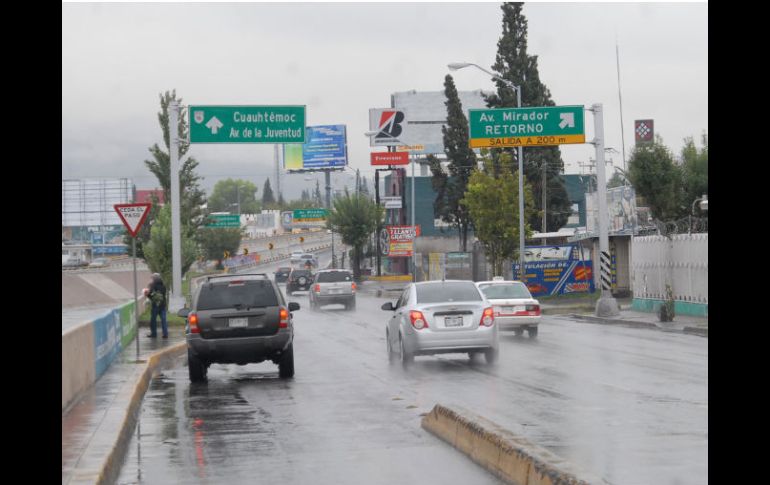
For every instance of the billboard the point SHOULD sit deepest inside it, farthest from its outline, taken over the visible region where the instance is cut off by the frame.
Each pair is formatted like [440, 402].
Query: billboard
[390, 126]
[621, 208]
[397, 241]
[556, 270]
[427, 114]
[325, 148]
[89, 202]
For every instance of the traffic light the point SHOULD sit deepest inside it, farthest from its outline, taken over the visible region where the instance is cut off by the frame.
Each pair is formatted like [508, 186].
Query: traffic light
[270, 246]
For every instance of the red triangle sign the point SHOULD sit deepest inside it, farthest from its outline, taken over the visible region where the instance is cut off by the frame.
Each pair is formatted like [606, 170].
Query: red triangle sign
[132, 215]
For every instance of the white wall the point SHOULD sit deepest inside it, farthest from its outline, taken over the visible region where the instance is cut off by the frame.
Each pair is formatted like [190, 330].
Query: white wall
[681, 262]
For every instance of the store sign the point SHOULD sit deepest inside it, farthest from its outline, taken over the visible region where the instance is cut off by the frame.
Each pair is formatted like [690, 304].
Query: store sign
[556, 270]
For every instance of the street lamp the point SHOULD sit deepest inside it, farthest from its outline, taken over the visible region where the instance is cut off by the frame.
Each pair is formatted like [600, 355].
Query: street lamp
[498, 77]
[704, 205]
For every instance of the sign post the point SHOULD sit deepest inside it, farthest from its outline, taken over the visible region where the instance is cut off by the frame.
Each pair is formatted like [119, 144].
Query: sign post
[133, 216]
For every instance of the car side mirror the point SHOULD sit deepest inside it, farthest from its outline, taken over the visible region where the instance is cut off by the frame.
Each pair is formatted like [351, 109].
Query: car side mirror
[183, 312]
[388, 306]
[293, 306]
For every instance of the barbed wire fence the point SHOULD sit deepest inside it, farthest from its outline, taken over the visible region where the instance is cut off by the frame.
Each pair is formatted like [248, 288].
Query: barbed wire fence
[685, 225]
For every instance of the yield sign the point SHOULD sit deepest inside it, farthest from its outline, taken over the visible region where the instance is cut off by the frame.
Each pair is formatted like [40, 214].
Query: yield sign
[132, 215]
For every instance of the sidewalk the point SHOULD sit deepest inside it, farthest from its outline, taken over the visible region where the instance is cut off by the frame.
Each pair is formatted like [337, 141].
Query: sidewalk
[91, 427]
[681, 323]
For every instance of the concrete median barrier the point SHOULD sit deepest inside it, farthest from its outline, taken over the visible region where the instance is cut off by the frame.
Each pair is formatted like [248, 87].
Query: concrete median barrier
[78, 371]
[509, 457]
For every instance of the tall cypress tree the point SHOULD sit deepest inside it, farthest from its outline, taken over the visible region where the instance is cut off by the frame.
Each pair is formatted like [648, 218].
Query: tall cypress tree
[515, 65]
[267, 194]
[451, 187]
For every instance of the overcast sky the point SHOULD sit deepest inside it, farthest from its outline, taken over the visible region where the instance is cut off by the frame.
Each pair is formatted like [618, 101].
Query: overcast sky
[340, 59]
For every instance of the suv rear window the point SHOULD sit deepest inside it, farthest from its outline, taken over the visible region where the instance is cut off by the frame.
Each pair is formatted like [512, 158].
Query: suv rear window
[447, 291]
[300, 272]
[333, 277]
[245, 294]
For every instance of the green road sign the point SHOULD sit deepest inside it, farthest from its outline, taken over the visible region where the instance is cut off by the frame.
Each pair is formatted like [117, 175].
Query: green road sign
[308, 215]
[536, 126]
[247, 124]
[224, 220]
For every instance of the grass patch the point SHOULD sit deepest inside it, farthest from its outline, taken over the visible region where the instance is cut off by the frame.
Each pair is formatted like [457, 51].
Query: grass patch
[171, 319]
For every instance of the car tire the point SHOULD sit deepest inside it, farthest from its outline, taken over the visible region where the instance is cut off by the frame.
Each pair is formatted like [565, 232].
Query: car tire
[196, 367]
[406, 358]
[532, 331]
[491, 356]
[286, 363]
[518, 332]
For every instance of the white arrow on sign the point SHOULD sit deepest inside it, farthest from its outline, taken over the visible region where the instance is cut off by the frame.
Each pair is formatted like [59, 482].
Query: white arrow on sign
[214, 125]
[567, 119]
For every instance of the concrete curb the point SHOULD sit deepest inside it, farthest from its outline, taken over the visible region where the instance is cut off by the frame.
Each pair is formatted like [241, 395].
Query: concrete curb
[509, 457]
[700, 331]
[113, 460]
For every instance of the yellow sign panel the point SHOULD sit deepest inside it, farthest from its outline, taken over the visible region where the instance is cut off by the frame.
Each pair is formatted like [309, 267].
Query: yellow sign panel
[410, 148]
[526, 141]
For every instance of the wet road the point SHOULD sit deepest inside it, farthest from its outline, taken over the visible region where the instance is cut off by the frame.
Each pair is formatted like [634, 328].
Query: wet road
[629, 405]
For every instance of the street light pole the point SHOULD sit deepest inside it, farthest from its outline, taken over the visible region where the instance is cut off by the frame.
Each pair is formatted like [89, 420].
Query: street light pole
[414, 229]
[496, 76]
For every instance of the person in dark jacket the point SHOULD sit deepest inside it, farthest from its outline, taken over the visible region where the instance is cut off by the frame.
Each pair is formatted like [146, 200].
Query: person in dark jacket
[157, 296]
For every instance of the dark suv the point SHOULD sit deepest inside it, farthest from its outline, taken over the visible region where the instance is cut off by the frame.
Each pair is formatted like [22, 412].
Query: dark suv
[299, 280]
[282, 274]
[239, 319]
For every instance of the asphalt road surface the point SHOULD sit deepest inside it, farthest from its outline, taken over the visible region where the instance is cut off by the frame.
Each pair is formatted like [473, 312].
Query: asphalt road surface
[629, 405]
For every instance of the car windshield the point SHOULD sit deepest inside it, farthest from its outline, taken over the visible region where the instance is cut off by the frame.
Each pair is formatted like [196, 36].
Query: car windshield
[298, 273]
[236, 294]
[307, 256]
[495, 291]
[447, 291]
[334, 277]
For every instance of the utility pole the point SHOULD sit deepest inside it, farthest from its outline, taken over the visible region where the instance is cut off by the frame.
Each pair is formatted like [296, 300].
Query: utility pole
[177, 300]
[328, 178]
[277, 172]
[607, 305]
[545, 165]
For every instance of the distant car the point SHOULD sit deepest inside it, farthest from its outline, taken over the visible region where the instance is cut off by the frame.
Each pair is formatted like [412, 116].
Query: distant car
[309, 258]
[99, 263]
[73, 263]
[433, 317]
[299, 280]
[282, 274]
[239, 319]
[333, 286]
[514, 307]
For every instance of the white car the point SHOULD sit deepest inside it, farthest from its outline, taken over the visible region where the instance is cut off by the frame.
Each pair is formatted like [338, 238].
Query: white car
[99, 263]
[436, 317]
[514, 307]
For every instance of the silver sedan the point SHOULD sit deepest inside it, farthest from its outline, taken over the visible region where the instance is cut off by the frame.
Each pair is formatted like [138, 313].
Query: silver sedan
[434, 317]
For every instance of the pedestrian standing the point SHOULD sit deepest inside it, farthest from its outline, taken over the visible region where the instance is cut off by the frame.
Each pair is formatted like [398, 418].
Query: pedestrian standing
[157, 295]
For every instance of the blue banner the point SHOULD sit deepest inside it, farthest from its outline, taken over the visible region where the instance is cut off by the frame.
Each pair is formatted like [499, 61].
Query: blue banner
[326, 147]
[107, 335]
[556, 270]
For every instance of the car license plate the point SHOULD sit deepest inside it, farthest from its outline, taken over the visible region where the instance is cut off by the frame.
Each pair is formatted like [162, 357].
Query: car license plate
[518, 309]
[238, 322]
[335, 291]
[508, 309]
[453, 321]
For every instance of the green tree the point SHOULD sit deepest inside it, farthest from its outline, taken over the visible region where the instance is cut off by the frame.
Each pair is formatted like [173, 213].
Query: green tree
[157, 251]
[228, 193]
[616, 180]
[695, 172]
[268, 199]
[355, 217]
[493, 204]
[516, 65]
[655, 177]
[317, 199]
[214, 241]
[462, 162]
[191, 196]
[305, 195]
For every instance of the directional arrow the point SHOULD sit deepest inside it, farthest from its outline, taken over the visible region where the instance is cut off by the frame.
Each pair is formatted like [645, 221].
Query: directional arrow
[214, 125]
[567, 119]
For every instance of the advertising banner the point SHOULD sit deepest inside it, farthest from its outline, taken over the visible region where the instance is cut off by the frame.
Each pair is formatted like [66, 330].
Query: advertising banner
[390, 158]
[390, 125]
[325, 148]
[107, 336]
[127, 318]
[621, 209]
[556, 270]
[399, 241]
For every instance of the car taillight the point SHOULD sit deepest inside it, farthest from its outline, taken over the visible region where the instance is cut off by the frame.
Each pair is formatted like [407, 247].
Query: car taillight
[418, 320]
[353, 287]
[193, 319]
[487, 317]
[533, 309]
[284, 314]
[318, 288]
